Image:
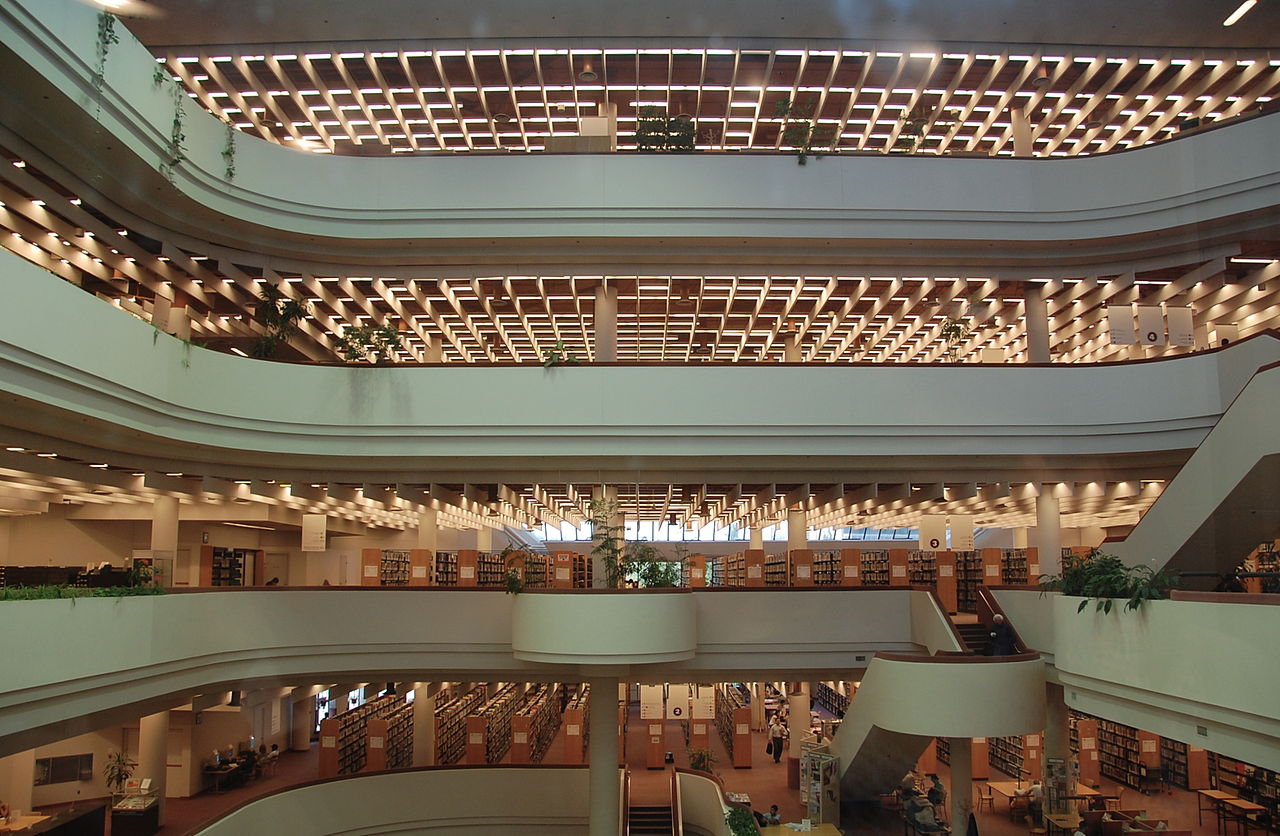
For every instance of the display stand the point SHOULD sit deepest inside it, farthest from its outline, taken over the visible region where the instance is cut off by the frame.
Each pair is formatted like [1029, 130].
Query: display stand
[575, 720]
[695, 571]
[468, 568]
[850, 563]
[135, 814]
[1090, 765]
[562, 570]
[753, 567]
[992, 567]
[820, 783]
[656, 743]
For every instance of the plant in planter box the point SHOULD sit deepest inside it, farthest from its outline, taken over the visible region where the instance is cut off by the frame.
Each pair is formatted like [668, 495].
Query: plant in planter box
[372, 343]
[280, 316]
[1104, 578]
[741, 822]
[703, 760]
[953, 332]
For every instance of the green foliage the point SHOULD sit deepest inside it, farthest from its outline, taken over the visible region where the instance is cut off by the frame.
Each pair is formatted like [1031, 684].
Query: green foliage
[608, 541]
[953, 331]
[176, 148]
[106, 37]
[513, 576]
[117, 770]
[741, 822]
[229, 152]
[651, 571]
[800, 132]
[372, 343]
[558, 355]
[703, 760]
[915, 125]
[656, 131]
[280, 316]
[53, 592]
[1104, 579]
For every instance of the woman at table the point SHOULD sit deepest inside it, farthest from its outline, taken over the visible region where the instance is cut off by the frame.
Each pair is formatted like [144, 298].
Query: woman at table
[4, 812]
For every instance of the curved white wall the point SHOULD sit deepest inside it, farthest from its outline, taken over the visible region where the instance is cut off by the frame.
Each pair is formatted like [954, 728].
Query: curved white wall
[1193, 182]
[477, 802]
[208, 406]
[603, 628]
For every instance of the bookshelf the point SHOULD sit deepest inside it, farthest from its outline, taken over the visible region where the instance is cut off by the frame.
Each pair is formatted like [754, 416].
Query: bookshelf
[1006, 755]
[942, 750]
[1124, 750]
[577, 725]
[828, 568]
[535, 723]
[228, 567]
[922, 568]
[733, 721]
[393, 567]
[693, 571]
[968, 579]
[1250, 782]
[344, 739]
[831, 698]
[874, 568]
[400, 737]
[776, 571]
[801, 567]
[446, 569]
[451, 725]
[1185, 767]
[1014, 568]
[489, 726]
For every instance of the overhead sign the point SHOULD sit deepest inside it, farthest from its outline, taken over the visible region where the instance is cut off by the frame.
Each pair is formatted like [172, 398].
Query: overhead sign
[961, 532]
[651, 702]
[1150, 325]
[678, 698]
[1120, 325]
[314, 533]
[1181, 326]
[933, 532]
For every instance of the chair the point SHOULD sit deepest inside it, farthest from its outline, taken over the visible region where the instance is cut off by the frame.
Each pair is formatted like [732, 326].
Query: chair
[987, 797]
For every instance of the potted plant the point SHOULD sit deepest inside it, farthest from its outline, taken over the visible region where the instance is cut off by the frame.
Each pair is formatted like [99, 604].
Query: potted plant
[117, 770]
[280, 316]
[558, 355]
[1104, 578]
[953, 331]
[741, 822]
[371, 343]
[701, 759]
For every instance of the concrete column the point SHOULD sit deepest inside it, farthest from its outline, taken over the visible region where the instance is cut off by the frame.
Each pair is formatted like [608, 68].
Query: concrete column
[757, 538]
[606, 324]
[1023, 142]
[424, 724]
[1037, 322]
[757, 706]
[164, 526]
[153, 754]
[484, 539]
[603, 751]
[1048, 531]
[433, 352]
[961, 783]
[301, 718]
[791, 348]
[798, 722]
[15, 780]
[797, 529]
[428, 529]
[1057, 724]
[604, 493]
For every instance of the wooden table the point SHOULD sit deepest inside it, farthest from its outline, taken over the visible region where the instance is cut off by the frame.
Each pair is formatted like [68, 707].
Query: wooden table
[1238, 810]
[1215, 798]
[1062, 822]
[218, 773]
[20, 824]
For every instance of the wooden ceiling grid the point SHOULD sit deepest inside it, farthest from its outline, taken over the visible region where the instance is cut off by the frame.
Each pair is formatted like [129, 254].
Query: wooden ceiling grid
[345, 99]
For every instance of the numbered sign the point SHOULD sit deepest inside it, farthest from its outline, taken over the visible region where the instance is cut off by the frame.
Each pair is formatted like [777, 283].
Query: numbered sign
[1150, 325]
[933, 533]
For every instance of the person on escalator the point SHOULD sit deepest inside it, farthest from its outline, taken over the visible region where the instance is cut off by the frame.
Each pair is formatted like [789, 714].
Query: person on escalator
[1002, 638]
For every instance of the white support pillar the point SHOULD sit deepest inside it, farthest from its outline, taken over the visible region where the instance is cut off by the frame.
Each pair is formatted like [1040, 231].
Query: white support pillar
[757, 537]
[605, 794]
[1023, 141]
[301, 720]
[797, 529]
[16, 788]
[433, 352]
[1037, 322]
[1057, 724]
[164, 526]
[428, 529]
[484, 539]
[791, 348]
[424, 724]
[798, 723]
[757, 706]
[1048, 531]
[153, 754]
[606, 324]
[961, 783]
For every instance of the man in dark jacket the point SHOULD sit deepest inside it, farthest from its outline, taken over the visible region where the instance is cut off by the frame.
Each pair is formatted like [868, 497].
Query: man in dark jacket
[1002, 639]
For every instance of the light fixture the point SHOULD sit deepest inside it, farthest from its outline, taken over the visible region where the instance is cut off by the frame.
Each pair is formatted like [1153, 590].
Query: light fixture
[1041, 78]
[1240, 12]
[588, 73]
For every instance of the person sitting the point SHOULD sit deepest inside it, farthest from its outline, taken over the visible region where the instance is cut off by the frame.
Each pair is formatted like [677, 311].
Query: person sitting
[1035, 799]
[773, 816]
[937, 796]
[919, 813]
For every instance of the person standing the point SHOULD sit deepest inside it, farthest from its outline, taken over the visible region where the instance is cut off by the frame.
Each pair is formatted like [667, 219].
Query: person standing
[1002, 638]
[777, 738]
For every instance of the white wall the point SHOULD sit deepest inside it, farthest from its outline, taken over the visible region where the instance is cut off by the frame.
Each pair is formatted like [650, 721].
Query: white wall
[52, 540]
[100, 744]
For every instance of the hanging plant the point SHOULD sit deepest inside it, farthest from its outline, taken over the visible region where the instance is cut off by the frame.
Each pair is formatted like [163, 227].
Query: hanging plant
[953, 332]
[372, 343]
[280, 316]
[801, 133]
[176, 150]
[229, 152]
[106, 37]
[558, 355]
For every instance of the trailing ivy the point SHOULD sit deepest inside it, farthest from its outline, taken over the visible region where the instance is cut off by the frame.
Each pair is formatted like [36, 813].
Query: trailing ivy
[106, 37]
[800, 132]
[51, 592]
[229, 152]
[176, 150]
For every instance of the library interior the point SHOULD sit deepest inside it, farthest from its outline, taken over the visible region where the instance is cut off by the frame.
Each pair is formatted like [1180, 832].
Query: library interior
[1012, 569]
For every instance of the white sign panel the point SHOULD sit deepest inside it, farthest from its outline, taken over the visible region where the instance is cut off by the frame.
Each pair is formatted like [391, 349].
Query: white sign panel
[1181, 326]
[961, 532]
[1120, 325]
[314, 533]
[651, 702]
[704, 704]
[678, 699]
[933, 532]
[1150, 325]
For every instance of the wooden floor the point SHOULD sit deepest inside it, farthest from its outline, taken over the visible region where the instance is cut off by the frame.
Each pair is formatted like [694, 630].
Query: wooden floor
[765, 783]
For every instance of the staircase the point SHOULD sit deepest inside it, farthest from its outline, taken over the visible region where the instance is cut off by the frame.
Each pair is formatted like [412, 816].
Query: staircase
[977, 637]
[645, 819]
